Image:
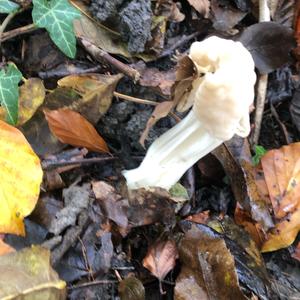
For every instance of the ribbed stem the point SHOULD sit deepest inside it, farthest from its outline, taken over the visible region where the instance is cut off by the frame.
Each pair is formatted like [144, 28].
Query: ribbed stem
[169, 157]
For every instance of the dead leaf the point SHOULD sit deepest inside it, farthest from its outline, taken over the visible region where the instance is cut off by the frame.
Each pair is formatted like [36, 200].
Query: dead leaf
[160, 111]
[225, 18]
[199, 218]
[113, 205]
[99, 91]
[281, 169]
[28, 274]
[21, 177]
[161, 258]
[71, 128]
[201, 6]
[208, 269]
[160, 80]
[170, 10]
[131, 288]
[96, 91]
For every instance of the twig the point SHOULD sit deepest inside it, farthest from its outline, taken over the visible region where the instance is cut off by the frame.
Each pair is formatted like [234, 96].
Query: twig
[264, 16]
[50, 165]
[92, 283]
[179, 43]
[134, 99]
[6, 21]
[100, 55]
[86, 260]
[18, 31]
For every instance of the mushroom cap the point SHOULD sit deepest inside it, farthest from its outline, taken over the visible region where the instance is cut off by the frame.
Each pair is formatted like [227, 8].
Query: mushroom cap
[224, 90]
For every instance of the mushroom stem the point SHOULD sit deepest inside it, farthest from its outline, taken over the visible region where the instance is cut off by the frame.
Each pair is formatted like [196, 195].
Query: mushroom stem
[170, 156]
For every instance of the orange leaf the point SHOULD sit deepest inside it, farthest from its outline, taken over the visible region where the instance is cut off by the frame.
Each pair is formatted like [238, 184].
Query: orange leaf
[282, 174]
[161, 258]
[71, 128]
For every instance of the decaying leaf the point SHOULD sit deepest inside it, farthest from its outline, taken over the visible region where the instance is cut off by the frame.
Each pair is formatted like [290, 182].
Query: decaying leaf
[208, 269]
[296, 254]
[131, 288]
[170, 10]
[225, 17]
[269, 43]
[160, 111]
[71, 128]
[113, 205]
[96, 91]
[27, 274]
[161, 80]
[201, 6]
[161, 258]
[21, 175]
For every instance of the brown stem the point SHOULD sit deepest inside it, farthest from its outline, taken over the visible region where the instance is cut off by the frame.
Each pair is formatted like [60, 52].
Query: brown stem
[18, 31]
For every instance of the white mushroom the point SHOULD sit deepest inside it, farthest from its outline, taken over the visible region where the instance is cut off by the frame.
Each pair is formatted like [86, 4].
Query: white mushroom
[222, 94]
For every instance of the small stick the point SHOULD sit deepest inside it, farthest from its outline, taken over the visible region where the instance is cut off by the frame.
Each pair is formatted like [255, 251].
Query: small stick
[264, 16]
[18, 31]
[100, 54]
[92, 283]
[134, 99]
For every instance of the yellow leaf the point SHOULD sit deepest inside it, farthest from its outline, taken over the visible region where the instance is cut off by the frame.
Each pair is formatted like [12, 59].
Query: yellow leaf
[20, 178]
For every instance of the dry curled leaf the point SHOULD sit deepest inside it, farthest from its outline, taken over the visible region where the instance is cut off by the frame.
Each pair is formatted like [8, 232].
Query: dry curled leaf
[161, 258]
[160, 111]
[71, 128]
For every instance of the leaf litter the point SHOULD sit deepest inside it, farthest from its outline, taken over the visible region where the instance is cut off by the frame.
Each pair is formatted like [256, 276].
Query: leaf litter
[105, 241]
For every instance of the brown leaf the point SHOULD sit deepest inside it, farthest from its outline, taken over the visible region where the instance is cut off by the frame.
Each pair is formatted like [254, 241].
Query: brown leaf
[201, 6]
[200, 218]
[282, 174]
[160, 111]
[111, 202]
[169, 9]
[208, 269]
[161, 258]
[161, 80]
[131, 288]
[71, 128]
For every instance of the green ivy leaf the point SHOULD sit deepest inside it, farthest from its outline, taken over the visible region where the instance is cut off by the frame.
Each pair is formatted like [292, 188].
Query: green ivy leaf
[57, 16]
[7, 6]
[9, 92]
[260, 151]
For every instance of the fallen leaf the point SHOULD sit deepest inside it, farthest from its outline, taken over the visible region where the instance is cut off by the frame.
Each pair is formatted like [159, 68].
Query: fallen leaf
[201, 6]
[160, 80]
[5, 248]
[131, 288]
[161, 258]
[208, 270]
[111, 202]
[225, 18]
[96, 91]
[269, 44]
[160, 111]
[283, 12]
[21, 175]
[281, 169]
[170, 10]
[199, 218]
[71, 128]
[27, 274]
